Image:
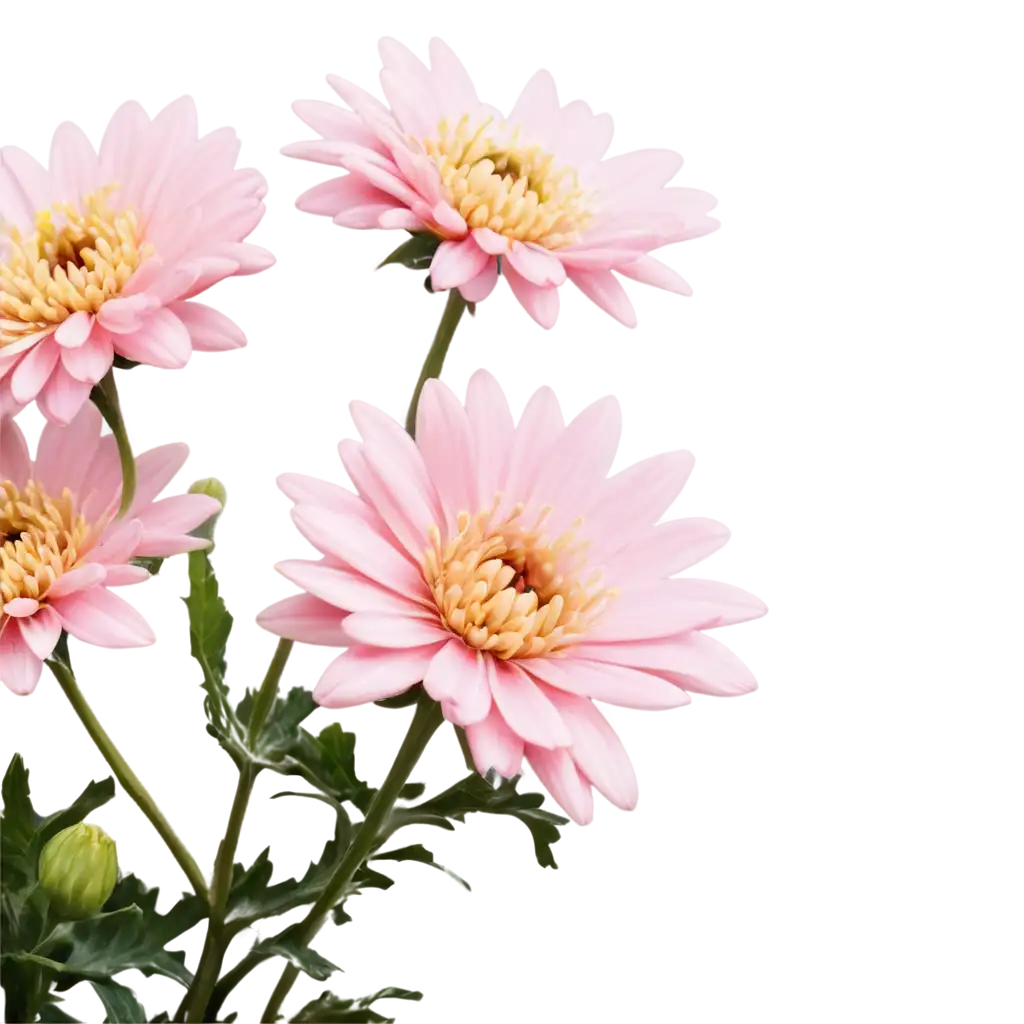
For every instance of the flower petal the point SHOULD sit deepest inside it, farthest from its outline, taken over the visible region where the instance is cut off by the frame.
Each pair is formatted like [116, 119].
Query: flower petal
[104, 619]
[20, 668]
[41, 632]
[458, 678]
[362, 674]
[494, 746]
[526, 710]
[559, 776]
[306, 619]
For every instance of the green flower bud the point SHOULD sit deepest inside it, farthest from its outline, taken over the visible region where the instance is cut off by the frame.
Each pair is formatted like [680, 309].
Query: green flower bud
[210, 485]
[78, 870]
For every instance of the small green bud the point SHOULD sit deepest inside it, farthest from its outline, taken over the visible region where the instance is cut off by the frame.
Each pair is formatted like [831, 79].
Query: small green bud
[78, 870]
[210, 485]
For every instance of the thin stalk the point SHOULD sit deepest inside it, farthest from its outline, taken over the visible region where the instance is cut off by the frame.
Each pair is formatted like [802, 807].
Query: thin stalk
[434, 362]
[217, 938]
[104, 397]
[128, 779]
[424, 724]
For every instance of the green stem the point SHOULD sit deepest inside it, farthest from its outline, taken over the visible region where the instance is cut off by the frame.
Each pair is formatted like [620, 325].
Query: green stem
[424, 724]
[217, 937]
[128, 779]
[104, 397]
[434, 362]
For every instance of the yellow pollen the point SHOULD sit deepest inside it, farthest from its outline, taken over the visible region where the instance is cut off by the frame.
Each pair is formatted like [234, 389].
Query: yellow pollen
[512, 189]
[42, 538]
[506, 588]
[75, 261]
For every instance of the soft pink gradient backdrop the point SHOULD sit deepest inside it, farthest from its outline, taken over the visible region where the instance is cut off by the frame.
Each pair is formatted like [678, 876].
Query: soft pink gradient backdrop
[842, 846]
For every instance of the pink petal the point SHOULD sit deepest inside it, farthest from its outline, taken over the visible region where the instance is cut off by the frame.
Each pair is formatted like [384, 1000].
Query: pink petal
[118, 543]
[454, 86]
[357, 544]
[155, 469]
[667, 549]
[64, 453]
[597, 750]
[458, 678]
[536, 265]
[209, 329]
[491, 242]
[41, 632]
[90, 362]
[361, 675]
[648, 270]
[613, 684]
[557, 773]
[34, 369]
[347, 590]
[81, 578]
[540, 303]
[306, 619]
[62, 396]
[604, 290]
[492, 429]
[537, 107]
[540, 428]
[643, 169]
[179, 514]
[125, 315]
[310, 490]
[30, 176]
[15, 461]
[338, 195]
[104, 619]
[445, 442]
[74, 331]
[162, 340]
[21, 607]
[20, 669]
[478, 288]
[394, 631]
[526, 710]
[494, 745]
[456, 263]
[163, 545]
[125, 575]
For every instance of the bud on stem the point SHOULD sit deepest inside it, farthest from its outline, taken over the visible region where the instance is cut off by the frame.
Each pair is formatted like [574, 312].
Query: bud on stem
[78, 870]
[215, 489]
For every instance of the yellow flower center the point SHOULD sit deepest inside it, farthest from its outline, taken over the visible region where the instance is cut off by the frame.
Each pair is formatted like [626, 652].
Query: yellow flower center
[508, 589]
[42, 538]
[514, 190]
[75, 260]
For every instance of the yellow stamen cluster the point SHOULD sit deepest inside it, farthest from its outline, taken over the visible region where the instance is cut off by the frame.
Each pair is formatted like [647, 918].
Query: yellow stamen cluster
[509, 590]
[42, 538]
[514, 190]
[75, 261]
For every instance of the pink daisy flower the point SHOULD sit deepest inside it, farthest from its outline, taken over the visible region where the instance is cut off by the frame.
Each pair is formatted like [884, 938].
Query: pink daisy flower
[503, 568]
[531, 193]
[100, 254]
[63, 549]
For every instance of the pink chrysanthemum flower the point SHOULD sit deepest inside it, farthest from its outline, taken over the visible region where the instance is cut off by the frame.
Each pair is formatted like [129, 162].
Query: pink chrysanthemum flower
[62, 548]
[532, 190]
[100, 254]
[502, 567]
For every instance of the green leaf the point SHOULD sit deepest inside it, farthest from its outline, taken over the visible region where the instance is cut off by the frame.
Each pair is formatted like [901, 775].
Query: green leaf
[151, 563]
[120, 1003]
[402, 700]
[280, 731]
[20, 820]
[414, 253]
[297, 953]
[72, 813]
[421, 855]
[49, 1013]
[209, 627]
[329, 1009]
[107, 945]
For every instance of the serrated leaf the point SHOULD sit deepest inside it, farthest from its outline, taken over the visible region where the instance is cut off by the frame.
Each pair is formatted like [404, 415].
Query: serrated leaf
[297, 953]
[415, 253]
[280, 731]
[120, 1003]
[52, 1014]
[327, 762]
[209, 628]
[19, 818]
[72, 813]
[330, 1009]
[421, 855]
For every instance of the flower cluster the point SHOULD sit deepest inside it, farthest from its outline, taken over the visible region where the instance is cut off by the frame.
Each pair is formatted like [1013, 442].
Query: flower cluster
[495, 573]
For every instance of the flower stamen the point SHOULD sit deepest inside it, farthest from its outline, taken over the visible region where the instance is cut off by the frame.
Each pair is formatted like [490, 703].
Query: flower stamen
[74, 262]
[513, 189]
[41, 538]
[507, 589]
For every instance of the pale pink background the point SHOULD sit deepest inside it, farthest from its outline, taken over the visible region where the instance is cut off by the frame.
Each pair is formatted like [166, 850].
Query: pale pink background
[873, 172]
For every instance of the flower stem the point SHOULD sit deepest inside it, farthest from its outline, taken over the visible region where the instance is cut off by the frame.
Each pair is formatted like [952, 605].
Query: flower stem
[104, 397]
[424, 724]
[128, 779]
[434, 362]
[217, 938]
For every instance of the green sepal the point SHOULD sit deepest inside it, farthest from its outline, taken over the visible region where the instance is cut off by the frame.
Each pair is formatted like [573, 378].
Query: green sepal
[415, 253]
[329, 1009]
[151, 563]
[124, 364]
[402, 700]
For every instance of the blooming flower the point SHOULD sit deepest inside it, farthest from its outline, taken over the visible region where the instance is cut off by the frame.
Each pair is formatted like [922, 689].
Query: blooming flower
[502, 567]
[531, 192]
[100, 254]
[63, 549]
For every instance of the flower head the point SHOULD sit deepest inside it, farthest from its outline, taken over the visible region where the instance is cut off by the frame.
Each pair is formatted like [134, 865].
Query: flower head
[531, 192]
[503, 568]
[100, 254]
[62, 549]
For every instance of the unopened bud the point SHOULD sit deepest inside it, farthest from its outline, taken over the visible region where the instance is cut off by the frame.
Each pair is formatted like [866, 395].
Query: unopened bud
[210, 485]
[78, 870]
